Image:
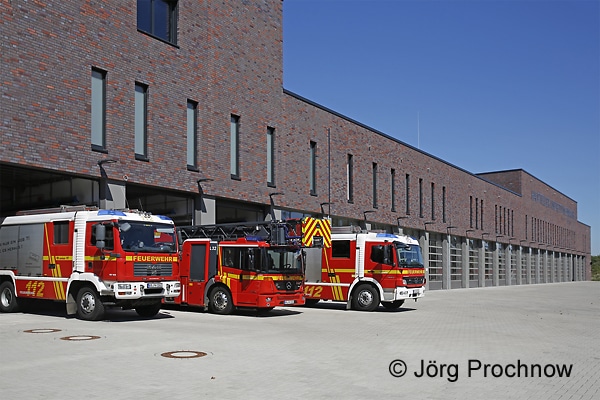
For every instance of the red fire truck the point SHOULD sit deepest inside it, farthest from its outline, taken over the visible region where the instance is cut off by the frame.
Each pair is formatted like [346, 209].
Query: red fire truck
[364, 269]
[88, 258]
[255, 265]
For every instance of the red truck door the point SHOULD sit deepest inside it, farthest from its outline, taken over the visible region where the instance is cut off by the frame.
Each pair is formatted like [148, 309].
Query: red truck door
[197, 263]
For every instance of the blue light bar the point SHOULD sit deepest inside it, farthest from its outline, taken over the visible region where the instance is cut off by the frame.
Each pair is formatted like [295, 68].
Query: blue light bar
[111, 212]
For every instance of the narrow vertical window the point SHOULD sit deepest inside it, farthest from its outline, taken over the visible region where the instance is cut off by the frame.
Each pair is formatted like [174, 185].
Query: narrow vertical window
[420, 197]
[481, 214]
[393, 189]
[313, 168]
[470, 211]
[374, 185]
[476, 213]
[98, 110]
[271, 157]
[432, 201]
[350, 177]
[407, 185]
[141, 121]
[444, 203]
[234, 147]
[192, 135]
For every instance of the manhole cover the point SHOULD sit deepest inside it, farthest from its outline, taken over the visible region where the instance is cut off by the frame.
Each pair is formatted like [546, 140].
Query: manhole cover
[42, 330]
[183, 354]
[80, 337]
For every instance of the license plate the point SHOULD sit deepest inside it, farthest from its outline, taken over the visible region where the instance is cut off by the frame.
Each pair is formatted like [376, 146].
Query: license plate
[289, 301]
[154, 285]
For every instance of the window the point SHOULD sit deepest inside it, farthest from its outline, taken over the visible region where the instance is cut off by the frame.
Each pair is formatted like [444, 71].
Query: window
[234, 149]
[407, 184]
[476, 213]
[141, 121]
[374, 185]
[444, 203]
[313, 168]
[98, 110]
[158, 18]
[432, 200]
[61, 232]
[271, 157]
[350, 177]
[340, 249]
[192, 135]
[393, 189]
[470, 211]
[481, 214]
[421, 197]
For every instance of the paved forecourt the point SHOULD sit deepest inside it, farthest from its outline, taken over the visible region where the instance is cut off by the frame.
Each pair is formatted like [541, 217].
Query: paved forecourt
[518, 342]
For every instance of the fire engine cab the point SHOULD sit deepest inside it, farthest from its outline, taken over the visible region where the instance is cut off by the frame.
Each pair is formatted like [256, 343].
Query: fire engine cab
[90, 259]
[365, 268]
[256, 265]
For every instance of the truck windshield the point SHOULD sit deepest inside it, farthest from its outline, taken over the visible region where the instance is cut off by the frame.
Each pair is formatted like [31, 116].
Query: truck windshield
[409, 255]
[147, 237]
[284, 261]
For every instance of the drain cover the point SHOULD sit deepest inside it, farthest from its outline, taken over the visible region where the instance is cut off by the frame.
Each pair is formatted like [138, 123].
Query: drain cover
[42, 330]
[183, 354]
[80, 337]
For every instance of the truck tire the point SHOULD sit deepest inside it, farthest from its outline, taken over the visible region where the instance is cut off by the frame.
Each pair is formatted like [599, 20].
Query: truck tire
[89, 305]
[148, 311]
[219, 301]
[310, 302]
[365, 298]
[8, 298]
[392, 305]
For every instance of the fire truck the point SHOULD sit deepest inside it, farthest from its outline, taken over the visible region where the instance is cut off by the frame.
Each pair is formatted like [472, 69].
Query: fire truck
[255, 265]
[365, 268]
[90, 259]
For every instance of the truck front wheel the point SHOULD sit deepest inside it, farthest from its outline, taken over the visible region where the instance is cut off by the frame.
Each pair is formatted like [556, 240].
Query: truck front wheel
[8, 298]
[219, 301]
[89, 305]
[365, 298]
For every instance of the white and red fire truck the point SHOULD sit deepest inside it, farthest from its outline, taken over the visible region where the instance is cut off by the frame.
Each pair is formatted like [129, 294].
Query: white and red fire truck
[254, 265]
[365, 269]
[88, 258]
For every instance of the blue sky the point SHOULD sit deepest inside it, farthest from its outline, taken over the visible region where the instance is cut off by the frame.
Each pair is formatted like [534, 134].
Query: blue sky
[456, 78]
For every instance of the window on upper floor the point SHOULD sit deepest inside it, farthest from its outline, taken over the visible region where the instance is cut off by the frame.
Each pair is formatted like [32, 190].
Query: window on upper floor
[98, 107]
[158, 18]
[270, 157]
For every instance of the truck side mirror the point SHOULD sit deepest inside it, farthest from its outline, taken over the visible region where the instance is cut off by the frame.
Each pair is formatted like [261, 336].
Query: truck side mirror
[100, 231]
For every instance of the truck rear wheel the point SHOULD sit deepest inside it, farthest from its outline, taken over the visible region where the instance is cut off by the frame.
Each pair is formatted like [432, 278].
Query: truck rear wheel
[148, 311]
[8, 298]
[365, 298]
[89, 305]
[219, 301]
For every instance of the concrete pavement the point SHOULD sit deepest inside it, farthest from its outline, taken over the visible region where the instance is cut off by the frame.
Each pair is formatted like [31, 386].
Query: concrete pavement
[516, 342]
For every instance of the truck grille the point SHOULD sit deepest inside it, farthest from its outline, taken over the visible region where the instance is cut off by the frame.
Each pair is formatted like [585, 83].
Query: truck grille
[288, 285]
[414, 281]
[146, 269]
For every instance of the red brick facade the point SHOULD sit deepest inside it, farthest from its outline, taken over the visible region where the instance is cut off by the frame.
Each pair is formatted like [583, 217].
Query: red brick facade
[228, 59]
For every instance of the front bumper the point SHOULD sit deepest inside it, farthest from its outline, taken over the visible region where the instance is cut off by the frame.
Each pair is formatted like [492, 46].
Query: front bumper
[404, 293]
[139, 290]
[279, 300]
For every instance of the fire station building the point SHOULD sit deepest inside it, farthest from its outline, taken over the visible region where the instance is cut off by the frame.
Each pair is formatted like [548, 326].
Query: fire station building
[178, 108]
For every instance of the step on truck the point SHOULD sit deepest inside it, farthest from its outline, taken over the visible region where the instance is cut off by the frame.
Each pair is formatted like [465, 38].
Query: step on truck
[365, 268]
[242, 265]
[88, 258]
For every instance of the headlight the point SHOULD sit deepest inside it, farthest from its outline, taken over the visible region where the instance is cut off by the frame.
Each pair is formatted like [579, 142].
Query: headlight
[124, 286]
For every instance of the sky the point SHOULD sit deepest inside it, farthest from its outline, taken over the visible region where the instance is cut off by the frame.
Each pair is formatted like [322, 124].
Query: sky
[458, 78]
